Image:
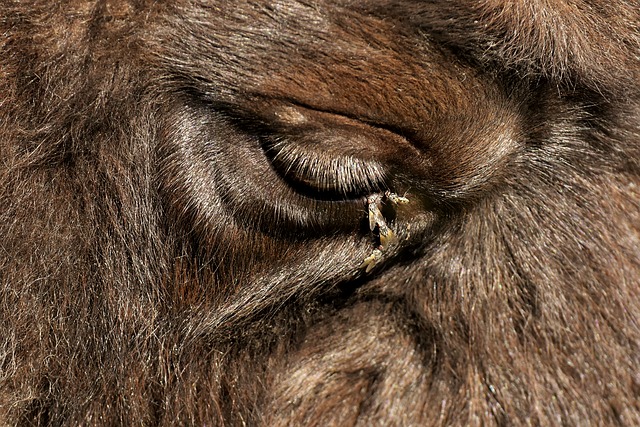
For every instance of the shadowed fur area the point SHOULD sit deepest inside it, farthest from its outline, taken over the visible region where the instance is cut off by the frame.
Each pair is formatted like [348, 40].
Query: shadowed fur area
[188, 190]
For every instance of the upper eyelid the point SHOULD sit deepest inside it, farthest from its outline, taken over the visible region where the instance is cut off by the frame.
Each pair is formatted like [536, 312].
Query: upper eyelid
[342, 174]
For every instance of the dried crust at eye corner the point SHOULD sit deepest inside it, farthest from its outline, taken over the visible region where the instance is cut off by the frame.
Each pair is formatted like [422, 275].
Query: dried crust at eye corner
[386, 235]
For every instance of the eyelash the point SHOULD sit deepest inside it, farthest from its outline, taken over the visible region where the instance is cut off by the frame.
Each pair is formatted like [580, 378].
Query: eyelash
[322, 176]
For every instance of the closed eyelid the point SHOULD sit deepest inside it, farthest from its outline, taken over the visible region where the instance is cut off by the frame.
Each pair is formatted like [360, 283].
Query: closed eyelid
[323, 172]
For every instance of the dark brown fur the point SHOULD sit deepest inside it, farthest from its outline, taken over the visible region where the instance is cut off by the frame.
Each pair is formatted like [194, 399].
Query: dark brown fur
[182, 222]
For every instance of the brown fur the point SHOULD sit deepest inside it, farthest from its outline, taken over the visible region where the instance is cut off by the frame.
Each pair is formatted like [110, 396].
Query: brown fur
[183, 216]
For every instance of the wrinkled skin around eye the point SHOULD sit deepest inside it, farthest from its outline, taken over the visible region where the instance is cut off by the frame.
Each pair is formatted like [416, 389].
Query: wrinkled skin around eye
[292, 152]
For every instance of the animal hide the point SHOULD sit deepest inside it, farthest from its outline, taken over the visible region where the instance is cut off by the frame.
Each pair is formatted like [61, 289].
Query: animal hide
[333, 212]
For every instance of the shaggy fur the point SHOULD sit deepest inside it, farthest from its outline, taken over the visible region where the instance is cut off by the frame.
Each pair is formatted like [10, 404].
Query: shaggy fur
[183, 212]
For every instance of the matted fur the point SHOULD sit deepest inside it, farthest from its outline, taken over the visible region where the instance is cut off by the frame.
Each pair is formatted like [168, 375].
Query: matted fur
[183, 216]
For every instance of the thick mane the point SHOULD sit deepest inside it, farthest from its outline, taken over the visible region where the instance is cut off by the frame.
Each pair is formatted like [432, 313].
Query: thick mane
[319, 213]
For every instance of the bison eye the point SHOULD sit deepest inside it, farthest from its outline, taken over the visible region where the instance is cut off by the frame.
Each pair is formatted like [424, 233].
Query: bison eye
[306, 176]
